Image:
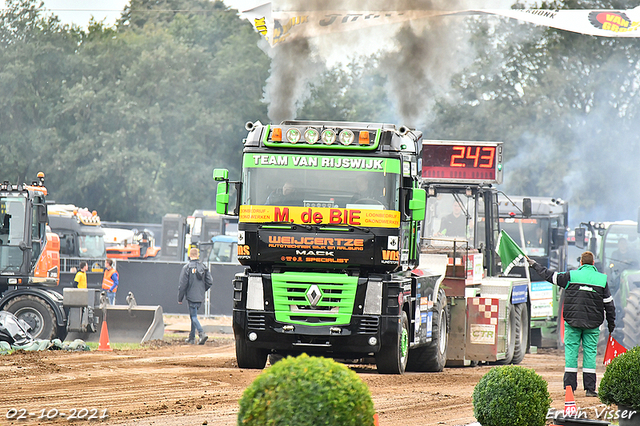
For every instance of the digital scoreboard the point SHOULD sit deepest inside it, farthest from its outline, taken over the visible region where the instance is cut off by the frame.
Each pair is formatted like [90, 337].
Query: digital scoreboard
[454, 161]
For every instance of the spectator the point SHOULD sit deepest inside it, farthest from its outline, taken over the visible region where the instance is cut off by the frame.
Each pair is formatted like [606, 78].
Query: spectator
[80, 280]
[110, 281]
[195, 280]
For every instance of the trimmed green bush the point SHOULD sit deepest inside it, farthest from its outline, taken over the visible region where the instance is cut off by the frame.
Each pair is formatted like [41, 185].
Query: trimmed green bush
[511, 396]
[306, 391]
[620, 384]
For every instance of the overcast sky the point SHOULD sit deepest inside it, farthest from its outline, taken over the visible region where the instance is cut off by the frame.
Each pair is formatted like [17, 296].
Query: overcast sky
[80, 11]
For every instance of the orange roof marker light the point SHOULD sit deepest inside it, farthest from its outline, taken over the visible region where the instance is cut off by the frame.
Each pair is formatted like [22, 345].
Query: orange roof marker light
[276, 134]
[364, 138]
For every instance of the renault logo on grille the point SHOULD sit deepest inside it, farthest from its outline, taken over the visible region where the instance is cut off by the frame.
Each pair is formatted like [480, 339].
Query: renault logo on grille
[314, 295]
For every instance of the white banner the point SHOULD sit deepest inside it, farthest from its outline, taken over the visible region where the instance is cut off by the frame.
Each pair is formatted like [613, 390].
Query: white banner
[604, 23]
[281, 26]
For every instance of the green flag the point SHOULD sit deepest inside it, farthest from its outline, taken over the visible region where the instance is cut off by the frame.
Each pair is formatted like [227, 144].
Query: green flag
[510, 253]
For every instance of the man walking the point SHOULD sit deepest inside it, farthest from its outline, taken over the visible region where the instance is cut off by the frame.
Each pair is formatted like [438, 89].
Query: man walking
[110, 281]
[586, 298]
[195, 280]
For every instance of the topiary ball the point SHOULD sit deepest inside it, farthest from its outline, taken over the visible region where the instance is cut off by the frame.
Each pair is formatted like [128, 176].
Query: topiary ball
[620, 384]
[306, 391]
[511, 396]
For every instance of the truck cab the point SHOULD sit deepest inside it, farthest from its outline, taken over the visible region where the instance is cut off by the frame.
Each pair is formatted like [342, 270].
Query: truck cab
[24, 258]
[328, 218]
[81, 235]
[616, 246]
[542, 234]
[462, 231]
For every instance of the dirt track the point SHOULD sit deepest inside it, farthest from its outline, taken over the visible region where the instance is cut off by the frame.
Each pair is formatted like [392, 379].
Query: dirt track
[170, 383]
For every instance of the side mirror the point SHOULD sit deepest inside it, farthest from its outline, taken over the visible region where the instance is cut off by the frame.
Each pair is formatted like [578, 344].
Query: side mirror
[220, 174]
[43, 217]
[222, 195]
[580, 235]
[222, 198]
[526, 207]
[418, 204]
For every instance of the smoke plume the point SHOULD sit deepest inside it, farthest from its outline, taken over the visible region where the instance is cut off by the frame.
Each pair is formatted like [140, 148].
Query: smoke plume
[418, 57]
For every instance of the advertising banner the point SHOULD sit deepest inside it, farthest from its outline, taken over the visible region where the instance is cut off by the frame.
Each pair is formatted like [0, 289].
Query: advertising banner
[320, 216]
[304, 248]
[282, 26]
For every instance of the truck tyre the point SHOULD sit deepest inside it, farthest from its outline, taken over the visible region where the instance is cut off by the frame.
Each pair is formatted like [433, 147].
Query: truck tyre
[522, 333]
[434, 356]
[630, 324]
[511, 337]
[37, 313]
[249, 358]
[392, 359]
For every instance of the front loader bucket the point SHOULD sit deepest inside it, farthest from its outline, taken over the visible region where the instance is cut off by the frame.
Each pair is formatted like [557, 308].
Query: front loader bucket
[138, 324]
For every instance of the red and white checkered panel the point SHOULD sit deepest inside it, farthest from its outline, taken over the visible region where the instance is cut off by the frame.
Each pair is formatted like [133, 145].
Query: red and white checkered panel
[486, 310]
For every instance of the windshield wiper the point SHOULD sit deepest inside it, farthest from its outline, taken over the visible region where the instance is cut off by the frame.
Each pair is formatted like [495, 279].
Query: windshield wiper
[289, 224]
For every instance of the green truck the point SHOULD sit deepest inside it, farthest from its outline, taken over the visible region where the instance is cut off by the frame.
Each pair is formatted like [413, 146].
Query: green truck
[542, 234]
[616, 246]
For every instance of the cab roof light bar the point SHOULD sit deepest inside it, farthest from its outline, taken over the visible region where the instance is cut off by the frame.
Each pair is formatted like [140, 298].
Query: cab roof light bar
[336, 138]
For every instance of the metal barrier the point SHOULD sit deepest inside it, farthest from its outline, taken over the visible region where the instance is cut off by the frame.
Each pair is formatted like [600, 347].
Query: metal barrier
[72, 264]
[156, 283]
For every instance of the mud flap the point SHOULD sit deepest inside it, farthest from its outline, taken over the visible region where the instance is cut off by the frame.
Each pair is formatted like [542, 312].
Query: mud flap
[128, 325]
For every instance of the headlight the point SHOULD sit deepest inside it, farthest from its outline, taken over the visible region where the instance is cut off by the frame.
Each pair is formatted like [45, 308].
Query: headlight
[311, 135]
[293, 135]
[346, 137]
[328, 137]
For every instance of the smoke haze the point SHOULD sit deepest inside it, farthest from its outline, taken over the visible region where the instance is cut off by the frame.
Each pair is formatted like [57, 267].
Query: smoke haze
[419, 56]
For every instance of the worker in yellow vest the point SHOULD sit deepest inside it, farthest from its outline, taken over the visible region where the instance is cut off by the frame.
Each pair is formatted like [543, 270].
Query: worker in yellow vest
[80, 280]
[110, 281]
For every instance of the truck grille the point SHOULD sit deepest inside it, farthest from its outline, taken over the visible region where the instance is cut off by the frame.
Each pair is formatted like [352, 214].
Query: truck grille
[313, 298]
[256, 321]
[368, 325]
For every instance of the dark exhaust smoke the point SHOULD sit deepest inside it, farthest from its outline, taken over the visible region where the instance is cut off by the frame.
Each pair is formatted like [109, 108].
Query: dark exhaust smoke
[418, 58]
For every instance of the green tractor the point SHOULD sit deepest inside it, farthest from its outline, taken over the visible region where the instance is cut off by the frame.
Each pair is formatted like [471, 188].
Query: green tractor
[617, 249]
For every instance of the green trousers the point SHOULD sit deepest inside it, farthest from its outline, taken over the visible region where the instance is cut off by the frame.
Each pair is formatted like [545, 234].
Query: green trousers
[572, 338]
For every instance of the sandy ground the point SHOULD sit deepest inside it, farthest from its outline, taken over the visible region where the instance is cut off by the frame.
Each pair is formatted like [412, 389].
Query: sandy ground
[171, 383]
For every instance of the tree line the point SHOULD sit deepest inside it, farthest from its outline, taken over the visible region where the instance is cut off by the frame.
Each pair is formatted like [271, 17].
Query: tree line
[130, 120]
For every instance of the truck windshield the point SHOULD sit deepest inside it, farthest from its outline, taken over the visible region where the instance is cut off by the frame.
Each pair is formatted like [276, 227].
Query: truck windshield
[449, 216]
[532, 235]
[224, 251]
[621, 248]
[352, 188]
[91, 246]
[12, 227]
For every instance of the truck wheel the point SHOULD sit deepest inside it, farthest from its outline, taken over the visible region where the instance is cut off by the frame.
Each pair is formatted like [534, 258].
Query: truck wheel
[434, 356]
[630, 324]
[392, 359]
[37, 313]
[522, 333]
[249, 358]
[511, 337]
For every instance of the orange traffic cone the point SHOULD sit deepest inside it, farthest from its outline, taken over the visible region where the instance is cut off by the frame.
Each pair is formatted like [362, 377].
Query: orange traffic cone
[104, 338]
[375, 420]
[570, 408]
